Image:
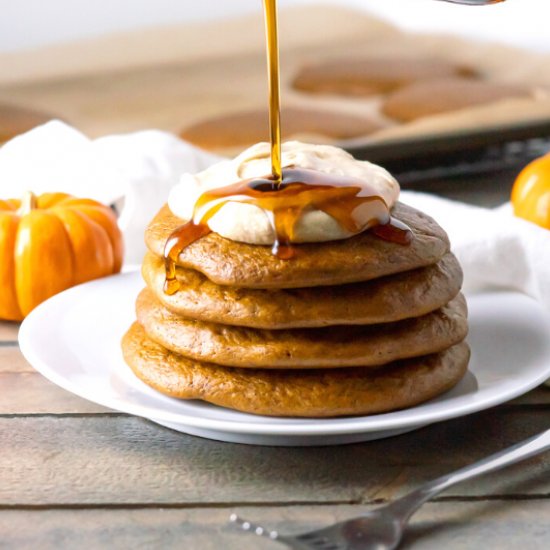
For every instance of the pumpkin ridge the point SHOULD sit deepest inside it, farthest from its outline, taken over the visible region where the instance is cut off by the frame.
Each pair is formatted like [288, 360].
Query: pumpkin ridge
[91, 246]
[43, 267]
[9, 304]
[105, 217]
[51, 242]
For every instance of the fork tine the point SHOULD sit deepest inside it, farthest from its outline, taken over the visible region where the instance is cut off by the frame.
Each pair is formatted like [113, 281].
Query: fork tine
[246, 525]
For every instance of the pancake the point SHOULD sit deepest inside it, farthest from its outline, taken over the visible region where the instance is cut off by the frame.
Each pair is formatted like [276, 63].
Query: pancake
[244, 128]
[359, 258]
[373, 76]
[330, 347]
[422, 99]
[383, 300]
[313, 393]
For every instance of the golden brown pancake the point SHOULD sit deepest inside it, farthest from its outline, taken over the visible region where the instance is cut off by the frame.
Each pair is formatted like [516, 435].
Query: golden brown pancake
[17, 120]
[245, 128]
[310, 393]
[373, 76]
[422, 99]
[360, 258]
[330, 347]
[383, 300]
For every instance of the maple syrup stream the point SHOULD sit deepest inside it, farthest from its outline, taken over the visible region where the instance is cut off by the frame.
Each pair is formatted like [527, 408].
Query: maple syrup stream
[287, 193]
[272, 42]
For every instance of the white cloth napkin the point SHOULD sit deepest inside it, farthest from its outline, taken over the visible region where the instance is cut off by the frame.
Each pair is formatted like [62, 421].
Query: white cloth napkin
[134, 171]
[495, 248]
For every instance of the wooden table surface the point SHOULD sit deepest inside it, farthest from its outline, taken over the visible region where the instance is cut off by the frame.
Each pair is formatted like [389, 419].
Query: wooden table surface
[76, 475]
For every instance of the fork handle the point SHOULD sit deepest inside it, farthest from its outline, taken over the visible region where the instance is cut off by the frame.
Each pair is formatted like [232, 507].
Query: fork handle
[407, 505]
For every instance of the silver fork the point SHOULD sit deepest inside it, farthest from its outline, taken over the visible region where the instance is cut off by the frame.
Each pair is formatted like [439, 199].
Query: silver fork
[474, 2]
[382, 529]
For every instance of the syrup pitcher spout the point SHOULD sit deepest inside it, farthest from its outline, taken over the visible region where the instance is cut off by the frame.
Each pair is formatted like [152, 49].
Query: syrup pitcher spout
[473, 2]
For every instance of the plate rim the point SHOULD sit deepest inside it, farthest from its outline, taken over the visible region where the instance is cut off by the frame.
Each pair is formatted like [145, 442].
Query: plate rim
[330, 426]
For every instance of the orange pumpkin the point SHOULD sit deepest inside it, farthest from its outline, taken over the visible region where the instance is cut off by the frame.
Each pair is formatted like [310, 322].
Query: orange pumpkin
[531, 192]
[50, 243]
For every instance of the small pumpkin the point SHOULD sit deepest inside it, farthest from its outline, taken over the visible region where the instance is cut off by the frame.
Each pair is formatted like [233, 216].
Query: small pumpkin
[49, 243]
[531, 192]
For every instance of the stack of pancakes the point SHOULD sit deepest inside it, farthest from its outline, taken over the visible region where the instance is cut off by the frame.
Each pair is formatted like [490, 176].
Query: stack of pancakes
[357, 326]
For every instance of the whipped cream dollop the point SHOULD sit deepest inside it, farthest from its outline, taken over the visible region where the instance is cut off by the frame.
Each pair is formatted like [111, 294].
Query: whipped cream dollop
[251, 224]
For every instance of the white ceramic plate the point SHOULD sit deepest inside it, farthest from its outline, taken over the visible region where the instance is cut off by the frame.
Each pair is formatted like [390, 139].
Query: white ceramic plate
[74, 340]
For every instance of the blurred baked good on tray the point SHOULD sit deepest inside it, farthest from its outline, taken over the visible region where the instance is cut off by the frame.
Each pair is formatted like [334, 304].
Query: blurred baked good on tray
[243, 128]
[432, 97]
[374, 75]
[193, 80]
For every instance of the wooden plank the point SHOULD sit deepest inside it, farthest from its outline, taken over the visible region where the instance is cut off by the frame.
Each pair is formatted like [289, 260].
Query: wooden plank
[30, 393]
[25, 391]
[8, 331]
[121, 460]
[12, 361]
[453, 526]
[539, 396]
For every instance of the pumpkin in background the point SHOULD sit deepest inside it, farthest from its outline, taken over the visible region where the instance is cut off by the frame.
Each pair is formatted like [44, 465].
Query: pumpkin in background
[50, 243]
[531, 192]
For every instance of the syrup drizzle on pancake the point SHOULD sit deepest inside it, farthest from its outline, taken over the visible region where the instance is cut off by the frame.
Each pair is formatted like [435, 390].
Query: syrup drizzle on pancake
[287, 193]
[355, 205]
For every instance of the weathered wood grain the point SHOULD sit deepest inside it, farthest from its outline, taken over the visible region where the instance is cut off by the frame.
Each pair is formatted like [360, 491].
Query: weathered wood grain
[30, 393]
[121, 460]
[539, 396]
[453, 526]
[25, 391]
[8, 331]
[12, 361]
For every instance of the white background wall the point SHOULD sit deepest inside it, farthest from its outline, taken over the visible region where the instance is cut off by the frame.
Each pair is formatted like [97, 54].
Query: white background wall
[32, 23]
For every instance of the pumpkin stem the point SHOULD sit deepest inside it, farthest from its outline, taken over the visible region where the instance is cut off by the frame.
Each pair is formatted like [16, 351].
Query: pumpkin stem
[29, 202]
